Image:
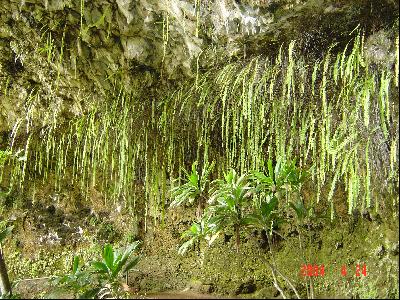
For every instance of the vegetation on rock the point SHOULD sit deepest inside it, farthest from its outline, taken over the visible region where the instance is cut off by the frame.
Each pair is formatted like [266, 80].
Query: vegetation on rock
[130, 120]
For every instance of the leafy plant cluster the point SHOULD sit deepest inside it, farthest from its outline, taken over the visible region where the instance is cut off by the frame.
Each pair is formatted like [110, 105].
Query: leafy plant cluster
[254, 199]
[100, 278]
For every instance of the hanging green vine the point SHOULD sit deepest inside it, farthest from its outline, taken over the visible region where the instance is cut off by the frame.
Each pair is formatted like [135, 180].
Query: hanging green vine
[332, 114]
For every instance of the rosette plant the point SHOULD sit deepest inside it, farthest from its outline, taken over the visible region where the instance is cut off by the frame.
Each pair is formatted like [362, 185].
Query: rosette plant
[270, 188]
[229, 203]
[194, 190]
[205, 229]
[101, 278]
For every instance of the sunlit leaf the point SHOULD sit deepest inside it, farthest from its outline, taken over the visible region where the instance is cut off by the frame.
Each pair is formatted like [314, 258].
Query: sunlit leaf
[75, 266]
[100, 267]
[108, 256]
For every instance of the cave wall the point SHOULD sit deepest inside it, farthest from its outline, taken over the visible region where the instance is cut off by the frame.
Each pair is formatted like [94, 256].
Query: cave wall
[73, 52]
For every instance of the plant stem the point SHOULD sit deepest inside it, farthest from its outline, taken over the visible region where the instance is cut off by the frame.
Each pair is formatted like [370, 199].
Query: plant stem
[237, 238]
[289, 282]
[200, 208]
[5, 286]
[276, 281]
[274, 269]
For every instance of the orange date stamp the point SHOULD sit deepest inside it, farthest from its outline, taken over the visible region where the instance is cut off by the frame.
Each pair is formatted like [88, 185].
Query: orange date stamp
[310, 270]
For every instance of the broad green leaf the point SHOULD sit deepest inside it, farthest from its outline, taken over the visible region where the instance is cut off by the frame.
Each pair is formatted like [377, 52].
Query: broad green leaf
[230, 202]
[270, 170]
[194, 179]
[252, 219]
[132, 263]
[195, 228]
[299, 208]
[268, 207]
[75, 266]
[100, 267]
[124, 258]
[117, 259]
[108, 256]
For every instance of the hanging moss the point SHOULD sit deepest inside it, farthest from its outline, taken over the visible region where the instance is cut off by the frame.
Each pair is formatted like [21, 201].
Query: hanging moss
[329, 113]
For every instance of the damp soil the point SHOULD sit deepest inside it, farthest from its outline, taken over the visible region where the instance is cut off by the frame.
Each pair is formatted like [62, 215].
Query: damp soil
[36, 286]
[181, 295]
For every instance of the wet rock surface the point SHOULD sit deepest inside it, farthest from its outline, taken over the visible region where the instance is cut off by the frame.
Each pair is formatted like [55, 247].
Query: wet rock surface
[72, 54]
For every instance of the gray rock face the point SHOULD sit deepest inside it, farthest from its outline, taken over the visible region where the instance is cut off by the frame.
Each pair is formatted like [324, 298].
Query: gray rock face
[135, 48]
[126, 7]
[378, 49]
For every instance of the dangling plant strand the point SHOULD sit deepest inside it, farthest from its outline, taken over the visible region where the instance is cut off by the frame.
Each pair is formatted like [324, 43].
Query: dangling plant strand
[330, 113]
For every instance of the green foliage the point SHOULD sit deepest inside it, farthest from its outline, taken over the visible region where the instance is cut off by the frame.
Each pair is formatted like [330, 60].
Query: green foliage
[48, 48]
[228, 203]
[279, 181]
[231, 191]
[5, 232]
[4, 155]
[193, 188]
[205, 229]
[333, 114]
[8, 296]
[100, 278]
[284, 177]
[116, 262]
[266, 216]
[248, 200]
[188, 191]
[79, 281]
[300, 209]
